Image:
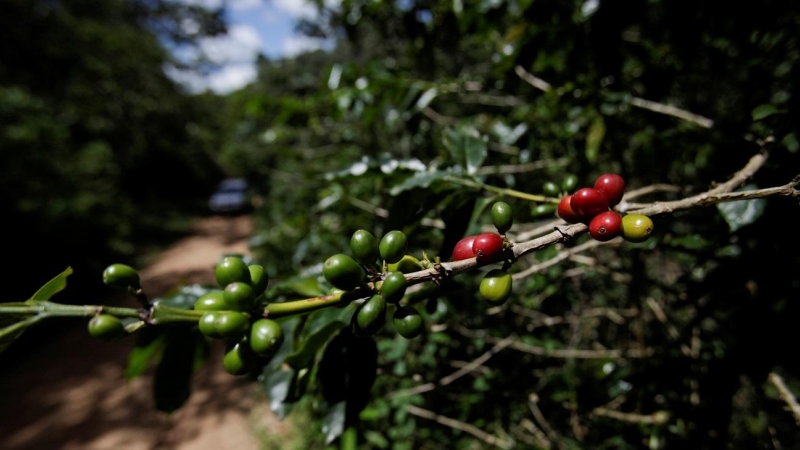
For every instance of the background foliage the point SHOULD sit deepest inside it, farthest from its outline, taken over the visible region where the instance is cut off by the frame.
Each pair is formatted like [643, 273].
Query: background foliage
[418, 93]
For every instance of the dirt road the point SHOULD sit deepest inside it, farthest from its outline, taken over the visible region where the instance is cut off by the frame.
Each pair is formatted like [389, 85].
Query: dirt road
[72, 394]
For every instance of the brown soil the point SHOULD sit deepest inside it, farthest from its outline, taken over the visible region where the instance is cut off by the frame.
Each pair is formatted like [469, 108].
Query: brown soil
[72, 394]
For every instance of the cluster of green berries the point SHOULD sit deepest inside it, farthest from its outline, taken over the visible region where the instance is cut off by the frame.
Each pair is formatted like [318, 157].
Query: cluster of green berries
[105, 326]
[489, 248]
[592, 207]
[229, 315]
[228, 312]
[348, 272]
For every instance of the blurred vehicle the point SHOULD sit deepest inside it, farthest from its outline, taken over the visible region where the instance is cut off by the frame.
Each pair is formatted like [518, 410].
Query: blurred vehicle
[232, 196]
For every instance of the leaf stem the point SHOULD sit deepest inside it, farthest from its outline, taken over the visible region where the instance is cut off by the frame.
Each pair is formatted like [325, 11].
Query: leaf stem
[502, 191]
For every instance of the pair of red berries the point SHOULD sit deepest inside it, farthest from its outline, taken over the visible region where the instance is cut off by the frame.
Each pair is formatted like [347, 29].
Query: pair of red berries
[486, 248]
[591, 206]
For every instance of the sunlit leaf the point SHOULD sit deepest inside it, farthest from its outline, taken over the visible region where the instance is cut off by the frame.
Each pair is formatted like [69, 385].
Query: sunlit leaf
[333, 422]
[52, 287]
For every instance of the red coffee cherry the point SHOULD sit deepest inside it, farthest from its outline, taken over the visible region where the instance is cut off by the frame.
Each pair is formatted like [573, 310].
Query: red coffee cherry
[612, 186]
[606, 226]
[463, 249]
[565, 211]
[488, 247]
[588, 202]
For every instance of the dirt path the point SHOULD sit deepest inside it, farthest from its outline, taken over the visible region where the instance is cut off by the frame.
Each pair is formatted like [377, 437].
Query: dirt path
[72, 394]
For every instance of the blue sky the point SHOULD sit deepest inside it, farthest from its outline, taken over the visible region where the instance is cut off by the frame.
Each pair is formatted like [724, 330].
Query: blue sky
[254, 26]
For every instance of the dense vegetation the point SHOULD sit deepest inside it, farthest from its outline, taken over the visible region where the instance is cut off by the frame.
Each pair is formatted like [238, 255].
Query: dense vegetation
[426, 113]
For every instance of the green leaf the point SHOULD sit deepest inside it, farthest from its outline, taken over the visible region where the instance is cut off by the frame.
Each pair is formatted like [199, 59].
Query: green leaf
[52, 287]
[173, 375]
[308, 287]
[743, 212]
[466, 147]
[278, 385]
[146, 352]
[421, 180]
[320, 327]
[333, 422]
[594, 138]
[763, 111]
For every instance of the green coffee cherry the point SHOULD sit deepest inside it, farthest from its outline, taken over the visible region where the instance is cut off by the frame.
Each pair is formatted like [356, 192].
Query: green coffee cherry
[106, 327]
[551, 189]
[408, 322]
[232, 325]
[121, 276]
[364, 247]
[211, 301]
[258, 279]
[544, 209]
[230, 270]
[393, 246]
[371, 316]
[495, 287]
[569, 183]
[239, 358]
[266, 337]
[239, 296]
[394, 287]
[502, 217]
[208, 325]
[343, 272]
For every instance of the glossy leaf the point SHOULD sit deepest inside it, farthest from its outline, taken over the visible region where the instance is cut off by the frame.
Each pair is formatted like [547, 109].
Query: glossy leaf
[52, 287]
[741, 213]
[466, 147]
[173, 375]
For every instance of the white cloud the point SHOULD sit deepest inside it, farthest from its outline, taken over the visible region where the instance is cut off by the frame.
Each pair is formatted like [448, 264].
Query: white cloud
[242, 5]
[302, 9]
[241, 44]
[223, 81]
[231, 78]
[297, 44]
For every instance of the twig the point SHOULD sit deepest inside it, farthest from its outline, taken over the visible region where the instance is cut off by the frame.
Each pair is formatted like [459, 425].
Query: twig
[565, 254]
[533, 404]
[786, 395]
[639, 102]
[658, 311]
[673, 111]
[657, 418]
[538, 434]
[477, 362]
[438, 118]
[522, 168]
[572, 352]
[531, 79]
[753, 165]
[458, 425]
[542, 320]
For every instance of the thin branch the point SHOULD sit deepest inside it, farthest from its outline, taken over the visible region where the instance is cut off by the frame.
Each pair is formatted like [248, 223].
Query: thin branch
[564, 254]
[538, 434]
[522, 168]
[458, 425]
[786, 395]
[639, 102]
[531, 79]
[477, 362]
[533, 404]
[657, 418]
[617, 316]
[753, 165]
[438, 118]
[673, 111]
